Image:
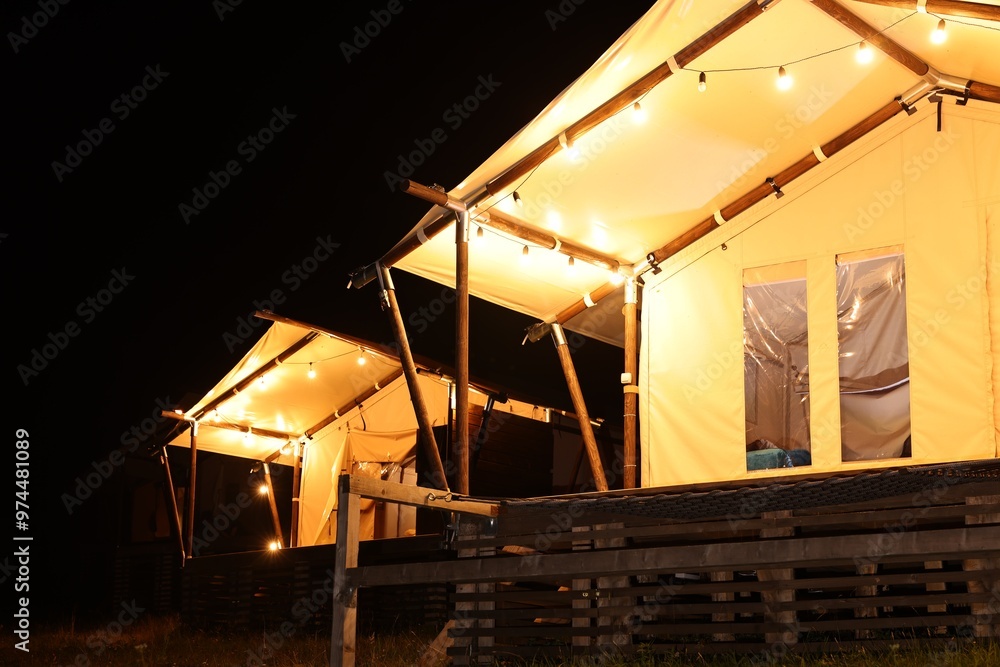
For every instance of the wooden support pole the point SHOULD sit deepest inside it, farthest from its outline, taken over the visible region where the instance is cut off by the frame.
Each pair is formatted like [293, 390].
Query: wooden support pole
[344, 634]
[959, 8]
[631, 387]
[274, 505]
[789, 635]
[297, 452]
[462, 352]
[987, 620]
[175, 515]
[192, 479]
[420, 408]
[580, 407]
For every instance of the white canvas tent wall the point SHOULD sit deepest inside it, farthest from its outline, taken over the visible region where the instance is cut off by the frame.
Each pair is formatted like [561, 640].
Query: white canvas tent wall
[346, 414]
[697, 169]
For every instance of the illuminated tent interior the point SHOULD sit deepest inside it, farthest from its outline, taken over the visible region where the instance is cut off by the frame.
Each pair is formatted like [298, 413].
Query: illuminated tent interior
[803, 197]
[340, 404]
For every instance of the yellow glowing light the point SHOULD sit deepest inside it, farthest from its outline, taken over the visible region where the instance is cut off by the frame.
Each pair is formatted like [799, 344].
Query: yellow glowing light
[274, 546]
[262, 489]
[864, 54]
[312, 371]
[940, 33]
[784, 79]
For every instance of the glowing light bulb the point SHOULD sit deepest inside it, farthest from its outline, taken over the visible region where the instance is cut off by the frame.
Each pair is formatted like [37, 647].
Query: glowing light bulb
[361, 357]
[525, 260]
[616, 278]
[274, 546]
[571, 266]
[567, 145]
[702, 83]
[638, 113]
[864, 54]
[262, 489]
[263, 382]
[940, 33]
[784, 79]
[312, 371]
[517, 200]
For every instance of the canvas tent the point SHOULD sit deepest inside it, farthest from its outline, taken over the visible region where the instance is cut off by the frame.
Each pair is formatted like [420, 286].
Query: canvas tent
[303, 392]
[817, 265]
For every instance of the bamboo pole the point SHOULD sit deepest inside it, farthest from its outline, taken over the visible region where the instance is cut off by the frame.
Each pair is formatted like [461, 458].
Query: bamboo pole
[580, 407]
[959, 8]
[272, 501]
[420, 408]
[293, 538]
[631, 388]
[511, 226]
[462, 351]
[873, 36]
[627, 97]
[192, 479]
[175, 515]
[759, 193]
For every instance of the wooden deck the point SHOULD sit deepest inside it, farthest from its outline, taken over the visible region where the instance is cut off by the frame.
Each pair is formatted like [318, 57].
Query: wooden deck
[587, 576]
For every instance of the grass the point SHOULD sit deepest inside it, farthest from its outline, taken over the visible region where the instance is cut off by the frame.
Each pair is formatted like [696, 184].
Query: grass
[165, 642]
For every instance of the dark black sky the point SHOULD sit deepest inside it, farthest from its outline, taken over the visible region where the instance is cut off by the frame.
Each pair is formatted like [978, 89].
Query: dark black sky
[132, 304]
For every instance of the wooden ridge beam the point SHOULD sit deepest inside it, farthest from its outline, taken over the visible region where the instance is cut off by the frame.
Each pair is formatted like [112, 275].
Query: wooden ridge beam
[958, 8]
[783, 178]
[626, 97]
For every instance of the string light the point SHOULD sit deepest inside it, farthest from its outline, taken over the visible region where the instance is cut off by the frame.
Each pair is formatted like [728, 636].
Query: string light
[638, 113]
[312, 371]
[263, 382]
[262, 489]
[940, 34]
[702, 82]
[571, 266]
[517, 200]
[524, 256]
[864, 54]
[616, 278]
[480, 234]
[784, 81]
[361, 357]
[274, 546]
[246, 436]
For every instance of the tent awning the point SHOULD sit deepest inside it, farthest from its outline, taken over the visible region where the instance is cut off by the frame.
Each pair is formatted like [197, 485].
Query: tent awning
[629, 185]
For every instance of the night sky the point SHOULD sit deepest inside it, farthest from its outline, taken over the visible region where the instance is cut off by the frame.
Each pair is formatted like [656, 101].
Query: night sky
[170, 169]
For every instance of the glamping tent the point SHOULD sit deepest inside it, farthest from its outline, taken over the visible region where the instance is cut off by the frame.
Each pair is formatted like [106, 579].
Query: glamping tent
[802, 196]
[324, 403]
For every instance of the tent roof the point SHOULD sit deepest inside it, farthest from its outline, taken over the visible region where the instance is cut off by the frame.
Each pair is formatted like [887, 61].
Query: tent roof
[269, 398]
[635, 187]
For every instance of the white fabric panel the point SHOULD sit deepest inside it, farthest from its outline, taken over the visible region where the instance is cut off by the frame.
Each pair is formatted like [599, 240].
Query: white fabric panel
[950, 394]
[692, 385]
[321, 467]
[932, 193]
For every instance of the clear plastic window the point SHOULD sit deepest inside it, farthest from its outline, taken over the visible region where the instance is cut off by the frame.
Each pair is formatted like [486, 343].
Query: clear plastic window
[874, 360]
[776, 367]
